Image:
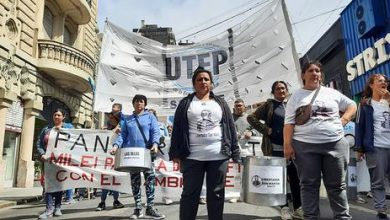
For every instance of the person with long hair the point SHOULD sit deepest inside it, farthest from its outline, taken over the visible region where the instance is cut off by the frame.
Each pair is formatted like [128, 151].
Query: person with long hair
[58, 122]
[203, 139]
[372, 132]
[317, 145]
[268, 119]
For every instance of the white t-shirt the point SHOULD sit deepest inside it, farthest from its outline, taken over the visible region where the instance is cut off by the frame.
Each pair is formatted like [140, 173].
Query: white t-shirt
[324, 124]
[205, 131]
[381, 123]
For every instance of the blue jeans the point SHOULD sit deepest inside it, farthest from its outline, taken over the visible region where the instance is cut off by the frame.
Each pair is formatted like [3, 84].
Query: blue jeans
[115, 194]
[57, 196]
[69, 194]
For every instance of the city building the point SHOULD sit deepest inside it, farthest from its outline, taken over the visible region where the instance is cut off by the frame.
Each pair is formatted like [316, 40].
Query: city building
[48, 51]
[163, 35]
[330, 51]
[366, 33]
[355, 46]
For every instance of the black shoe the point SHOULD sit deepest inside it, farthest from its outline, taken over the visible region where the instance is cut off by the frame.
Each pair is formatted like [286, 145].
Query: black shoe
[137, 214]
[151, 212]
[117, 204]
[101, 206]
[381, 215]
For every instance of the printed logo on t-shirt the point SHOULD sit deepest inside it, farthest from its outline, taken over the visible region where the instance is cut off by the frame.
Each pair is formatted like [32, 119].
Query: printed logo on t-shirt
[386, 123]
[320, 109]
[205, 124]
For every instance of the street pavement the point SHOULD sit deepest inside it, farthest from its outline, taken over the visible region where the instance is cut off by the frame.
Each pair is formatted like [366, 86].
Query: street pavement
[85, 209]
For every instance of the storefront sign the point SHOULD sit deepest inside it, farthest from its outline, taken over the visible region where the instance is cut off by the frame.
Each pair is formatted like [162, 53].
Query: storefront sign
[369, 58]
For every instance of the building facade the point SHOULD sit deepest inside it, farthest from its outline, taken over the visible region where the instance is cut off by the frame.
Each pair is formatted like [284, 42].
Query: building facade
[330, 51]
[163, 35]
[48, 51]
[366, 33]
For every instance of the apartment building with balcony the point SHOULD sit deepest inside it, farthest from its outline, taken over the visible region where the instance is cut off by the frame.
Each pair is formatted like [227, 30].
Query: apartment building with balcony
[48, 52]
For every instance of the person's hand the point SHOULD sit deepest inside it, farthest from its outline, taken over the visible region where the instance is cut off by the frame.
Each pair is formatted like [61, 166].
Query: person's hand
[269, 131]
[43, 157]
[113, 150]
[385, 94]
[344, 121]
[177, 161]
[289, 152]
[359, 156]
[117, 130]
[247, 134]
[154, 149]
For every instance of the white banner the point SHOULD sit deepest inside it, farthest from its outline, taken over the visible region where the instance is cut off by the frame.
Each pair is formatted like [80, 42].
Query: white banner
[245, 60]
[169, 180]
[79, 158]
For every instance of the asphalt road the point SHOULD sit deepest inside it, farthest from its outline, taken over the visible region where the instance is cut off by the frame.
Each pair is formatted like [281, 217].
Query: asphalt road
[85, 209]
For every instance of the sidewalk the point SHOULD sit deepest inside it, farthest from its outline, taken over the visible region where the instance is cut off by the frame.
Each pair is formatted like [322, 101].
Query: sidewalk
[16, 196]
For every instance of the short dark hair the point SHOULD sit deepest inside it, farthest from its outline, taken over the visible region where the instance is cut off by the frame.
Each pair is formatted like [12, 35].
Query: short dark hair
[276, 83]
[307, 65]
[139, 97]
[60, 110]
[238, 101]
[199, 70]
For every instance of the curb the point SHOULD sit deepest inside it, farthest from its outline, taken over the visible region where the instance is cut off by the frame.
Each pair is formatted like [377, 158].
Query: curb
[6, 203]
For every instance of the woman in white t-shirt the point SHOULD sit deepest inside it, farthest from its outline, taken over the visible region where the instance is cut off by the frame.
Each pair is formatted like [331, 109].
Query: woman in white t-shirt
[203, 139]
[318, 147]
[372, 132]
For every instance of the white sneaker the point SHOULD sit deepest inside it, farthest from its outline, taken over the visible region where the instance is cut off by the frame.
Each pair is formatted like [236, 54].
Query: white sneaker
[167, 201]
[298, 213]
[285, 213]
[233, 200]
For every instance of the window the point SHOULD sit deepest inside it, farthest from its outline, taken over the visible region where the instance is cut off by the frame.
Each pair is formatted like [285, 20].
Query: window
[67, 36]
[48, 20]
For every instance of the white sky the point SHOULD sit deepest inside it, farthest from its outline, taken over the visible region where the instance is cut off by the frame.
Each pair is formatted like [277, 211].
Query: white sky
[188, 16]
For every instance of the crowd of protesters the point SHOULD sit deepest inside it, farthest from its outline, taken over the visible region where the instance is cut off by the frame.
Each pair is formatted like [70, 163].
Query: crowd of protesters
[305, 127]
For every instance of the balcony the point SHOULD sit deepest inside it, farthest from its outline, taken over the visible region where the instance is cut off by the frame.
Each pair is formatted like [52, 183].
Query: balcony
[78, 10]
[69, 67]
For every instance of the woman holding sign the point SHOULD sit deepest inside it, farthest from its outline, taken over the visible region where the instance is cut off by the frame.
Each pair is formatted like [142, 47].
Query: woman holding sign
[203, 139]
[141, 130]
[315, 141]
[58, 121]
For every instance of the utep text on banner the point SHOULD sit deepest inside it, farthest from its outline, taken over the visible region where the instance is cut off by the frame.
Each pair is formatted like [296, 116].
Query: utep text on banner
[80, 158]
[244, 61]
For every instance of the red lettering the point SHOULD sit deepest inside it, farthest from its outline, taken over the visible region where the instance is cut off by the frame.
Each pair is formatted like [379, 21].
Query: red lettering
[228, 181]
[58, 175]
[75, 176]
[173, 181]
[85, 177]
[85, 161]
[161, 166]
[109, 162]
[96, 161]
[230, 166]
[59, 160]
[104, 179]
[115, 183]
[161, 181]
[73, 162]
